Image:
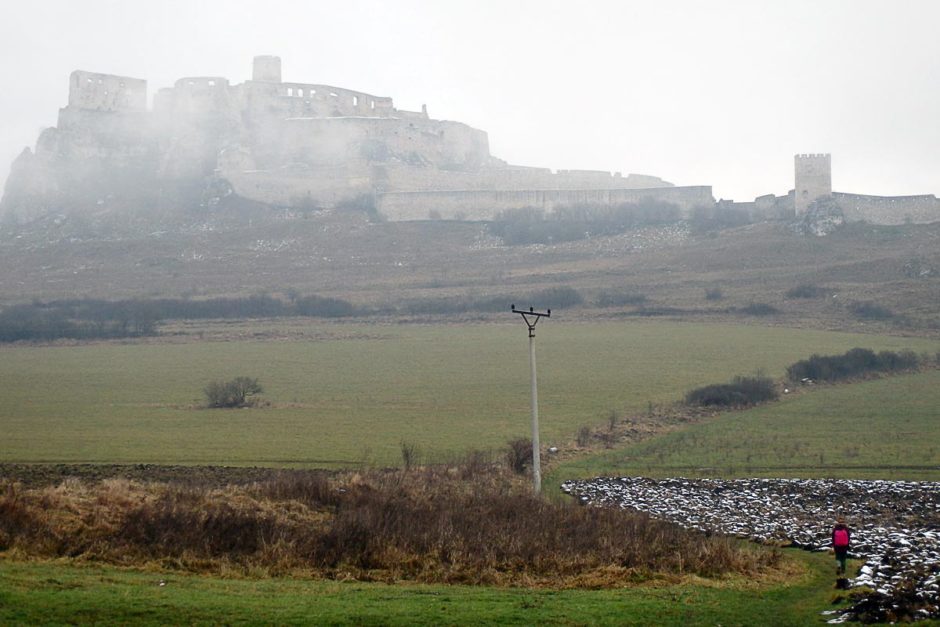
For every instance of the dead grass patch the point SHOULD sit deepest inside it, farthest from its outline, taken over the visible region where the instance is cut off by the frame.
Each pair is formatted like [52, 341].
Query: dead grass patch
[431, 525]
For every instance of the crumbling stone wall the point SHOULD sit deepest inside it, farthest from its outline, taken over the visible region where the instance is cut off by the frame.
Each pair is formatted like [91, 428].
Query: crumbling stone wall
[484, 205]
[106, 92]
[888, 209]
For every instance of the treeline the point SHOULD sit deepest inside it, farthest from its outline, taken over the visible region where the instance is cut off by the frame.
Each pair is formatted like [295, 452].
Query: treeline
[551, 298]
[854, 363]
[744, 391]
[32, 323]
[91, 318]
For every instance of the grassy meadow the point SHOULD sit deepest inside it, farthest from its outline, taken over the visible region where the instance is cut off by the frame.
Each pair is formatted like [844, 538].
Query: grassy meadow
[879, 429]
[346, 393]
[66, 593]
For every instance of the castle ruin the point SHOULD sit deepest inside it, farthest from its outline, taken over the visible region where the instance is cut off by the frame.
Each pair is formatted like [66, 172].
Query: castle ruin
[288, 144]
[307, 145]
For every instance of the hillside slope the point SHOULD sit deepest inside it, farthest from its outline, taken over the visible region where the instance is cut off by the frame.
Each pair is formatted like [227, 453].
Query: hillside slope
[344, 255]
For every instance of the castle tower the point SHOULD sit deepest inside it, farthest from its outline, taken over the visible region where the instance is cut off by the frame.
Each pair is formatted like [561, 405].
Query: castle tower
[813, 179]
[266, 68]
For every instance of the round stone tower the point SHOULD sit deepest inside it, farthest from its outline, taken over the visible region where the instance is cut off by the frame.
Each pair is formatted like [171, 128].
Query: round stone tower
[813, 179]
[267, 68]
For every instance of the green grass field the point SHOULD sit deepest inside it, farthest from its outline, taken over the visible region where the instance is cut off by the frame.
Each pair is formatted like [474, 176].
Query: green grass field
[57, 593]
[880, 429]
[354, 393]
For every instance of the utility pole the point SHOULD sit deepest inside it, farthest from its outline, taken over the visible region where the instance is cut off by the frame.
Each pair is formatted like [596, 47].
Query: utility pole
[532, 318]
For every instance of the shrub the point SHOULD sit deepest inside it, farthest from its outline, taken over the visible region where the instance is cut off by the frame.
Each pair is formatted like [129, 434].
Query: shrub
[871, 311]
[853, 363]
[409, 454]
[741, 391]
[584, 436]
[806, 290]
[759, 309]
[519, 456]
[234, 393]
[713, 293]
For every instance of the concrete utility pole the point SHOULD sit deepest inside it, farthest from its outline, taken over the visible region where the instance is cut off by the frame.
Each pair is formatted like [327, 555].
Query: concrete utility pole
[532, 318]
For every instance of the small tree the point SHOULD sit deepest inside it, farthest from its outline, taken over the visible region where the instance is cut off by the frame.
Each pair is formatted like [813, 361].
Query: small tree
[234, 393]
[519, 455]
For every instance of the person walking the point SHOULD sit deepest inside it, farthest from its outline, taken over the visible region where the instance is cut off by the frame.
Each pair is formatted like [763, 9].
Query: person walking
[841, 539]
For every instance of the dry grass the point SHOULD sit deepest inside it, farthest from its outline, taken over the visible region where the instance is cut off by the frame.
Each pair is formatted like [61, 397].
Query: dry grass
[470, 524]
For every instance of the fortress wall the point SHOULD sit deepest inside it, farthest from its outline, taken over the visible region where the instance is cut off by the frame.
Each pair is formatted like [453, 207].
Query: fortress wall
[315, 141]
[203, 100]
[323, 187]
[327, 101]
[106, 92]
[889, 209]
[396, 177]
[484, 205]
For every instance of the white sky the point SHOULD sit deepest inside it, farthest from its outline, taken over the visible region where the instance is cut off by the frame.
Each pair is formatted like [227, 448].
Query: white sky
[719, 92]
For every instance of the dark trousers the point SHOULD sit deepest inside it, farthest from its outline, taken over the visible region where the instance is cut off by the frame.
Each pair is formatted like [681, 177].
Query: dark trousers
[841, 554]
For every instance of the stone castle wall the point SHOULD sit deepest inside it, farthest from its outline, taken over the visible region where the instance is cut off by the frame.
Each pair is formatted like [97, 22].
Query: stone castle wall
[485, 204]
[415, 142]
[889, 209]
[396, 177]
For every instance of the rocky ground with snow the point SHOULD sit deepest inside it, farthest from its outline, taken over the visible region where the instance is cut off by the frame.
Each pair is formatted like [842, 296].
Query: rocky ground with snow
[895, 527]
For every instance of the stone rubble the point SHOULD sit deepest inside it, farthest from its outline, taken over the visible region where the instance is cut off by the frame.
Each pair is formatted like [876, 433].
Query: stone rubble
[895, 527]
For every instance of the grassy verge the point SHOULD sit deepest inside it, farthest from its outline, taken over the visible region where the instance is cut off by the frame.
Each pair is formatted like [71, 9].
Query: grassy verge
[347, 393]
[65, 593]
[879, 429]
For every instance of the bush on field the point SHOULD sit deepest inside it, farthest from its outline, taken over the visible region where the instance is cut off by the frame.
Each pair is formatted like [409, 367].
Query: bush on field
[853, 363]
[234, 393]
[713, 293]
[519, 455]
[806, 290]
[741, 391]
[871, 311]
[759, 309]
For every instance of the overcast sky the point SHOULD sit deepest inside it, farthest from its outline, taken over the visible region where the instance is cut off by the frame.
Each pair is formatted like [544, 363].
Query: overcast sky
[718, 92]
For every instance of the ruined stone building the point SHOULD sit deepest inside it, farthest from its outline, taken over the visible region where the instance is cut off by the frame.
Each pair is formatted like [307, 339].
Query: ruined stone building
[812, 182]
[287, 144]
